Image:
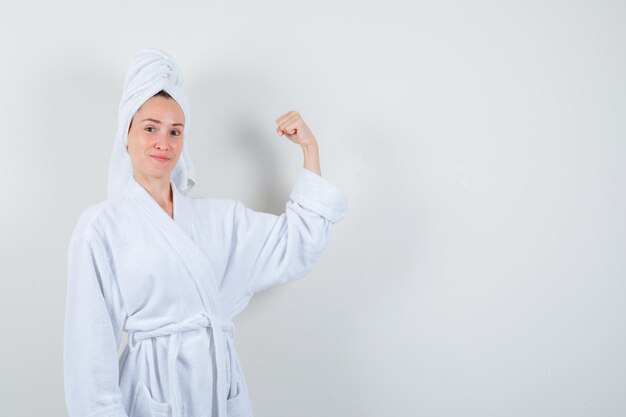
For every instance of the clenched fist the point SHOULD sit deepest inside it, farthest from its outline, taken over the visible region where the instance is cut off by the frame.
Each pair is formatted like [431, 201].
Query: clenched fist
[293, 127]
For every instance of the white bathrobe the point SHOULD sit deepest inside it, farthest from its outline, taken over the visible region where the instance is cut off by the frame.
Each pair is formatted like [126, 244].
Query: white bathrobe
[175, 285]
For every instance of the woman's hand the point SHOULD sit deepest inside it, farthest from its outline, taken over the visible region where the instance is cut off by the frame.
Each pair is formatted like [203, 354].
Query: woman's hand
[293, 127]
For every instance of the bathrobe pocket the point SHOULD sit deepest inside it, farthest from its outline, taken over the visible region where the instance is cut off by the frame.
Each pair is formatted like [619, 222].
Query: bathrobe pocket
[237, 406]
[146, 406]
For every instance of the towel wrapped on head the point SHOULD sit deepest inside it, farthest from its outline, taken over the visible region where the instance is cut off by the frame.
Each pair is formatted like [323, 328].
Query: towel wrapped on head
[151, 70]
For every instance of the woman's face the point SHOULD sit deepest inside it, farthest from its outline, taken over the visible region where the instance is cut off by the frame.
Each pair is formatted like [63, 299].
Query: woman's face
[156, 131]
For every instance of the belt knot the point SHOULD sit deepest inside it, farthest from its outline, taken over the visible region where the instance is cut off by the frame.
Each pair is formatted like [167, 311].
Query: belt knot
[198, 321]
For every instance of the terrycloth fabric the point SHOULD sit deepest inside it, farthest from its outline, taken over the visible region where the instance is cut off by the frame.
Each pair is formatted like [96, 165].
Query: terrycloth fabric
[174, 285]
[150, 71]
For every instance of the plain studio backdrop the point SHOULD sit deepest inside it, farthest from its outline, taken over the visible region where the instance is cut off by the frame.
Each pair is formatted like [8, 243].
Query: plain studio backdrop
[481, 269]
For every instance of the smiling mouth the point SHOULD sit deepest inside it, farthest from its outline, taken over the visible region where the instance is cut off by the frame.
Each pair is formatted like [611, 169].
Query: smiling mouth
[158, 158]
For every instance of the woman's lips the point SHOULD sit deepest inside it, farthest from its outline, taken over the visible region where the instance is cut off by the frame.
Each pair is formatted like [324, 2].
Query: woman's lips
[158, 158]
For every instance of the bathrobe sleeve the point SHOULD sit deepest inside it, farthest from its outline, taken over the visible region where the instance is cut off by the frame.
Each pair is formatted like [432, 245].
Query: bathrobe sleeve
[93, 326]
[273, 249]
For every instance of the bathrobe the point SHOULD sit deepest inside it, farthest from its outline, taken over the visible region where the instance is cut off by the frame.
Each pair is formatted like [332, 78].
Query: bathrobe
[175, 285]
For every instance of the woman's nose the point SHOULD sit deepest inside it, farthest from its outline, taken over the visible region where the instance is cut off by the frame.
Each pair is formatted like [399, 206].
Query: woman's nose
[162, 141]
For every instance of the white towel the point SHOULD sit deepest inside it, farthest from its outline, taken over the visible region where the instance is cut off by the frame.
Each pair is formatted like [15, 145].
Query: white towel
[151, 70]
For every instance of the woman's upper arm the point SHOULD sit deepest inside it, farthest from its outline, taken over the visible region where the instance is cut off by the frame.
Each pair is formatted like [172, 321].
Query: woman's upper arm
[269, 249]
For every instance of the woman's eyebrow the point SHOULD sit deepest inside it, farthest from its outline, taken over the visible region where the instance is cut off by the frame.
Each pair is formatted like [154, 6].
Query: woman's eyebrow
[159, 122]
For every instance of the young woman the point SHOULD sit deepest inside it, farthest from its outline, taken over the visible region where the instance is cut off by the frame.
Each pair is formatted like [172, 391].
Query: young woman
[172, 270]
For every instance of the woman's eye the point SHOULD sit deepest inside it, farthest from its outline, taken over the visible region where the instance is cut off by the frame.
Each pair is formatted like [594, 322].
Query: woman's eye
[148, 129]
[175, 133]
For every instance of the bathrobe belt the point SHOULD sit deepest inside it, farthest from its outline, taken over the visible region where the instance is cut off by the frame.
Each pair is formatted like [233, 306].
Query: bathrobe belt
[223, 348]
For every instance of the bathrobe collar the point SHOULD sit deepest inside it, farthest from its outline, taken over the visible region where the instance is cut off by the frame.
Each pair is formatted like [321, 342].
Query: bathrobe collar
[178, 231]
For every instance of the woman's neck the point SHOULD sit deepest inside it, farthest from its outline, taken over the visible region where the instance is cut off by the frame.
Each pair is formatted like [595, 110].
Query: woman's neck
[160, 189]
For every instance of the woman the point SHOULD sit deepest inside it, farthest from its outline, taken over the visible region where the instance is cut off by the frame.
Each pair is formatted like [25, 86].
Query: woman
[172, 270]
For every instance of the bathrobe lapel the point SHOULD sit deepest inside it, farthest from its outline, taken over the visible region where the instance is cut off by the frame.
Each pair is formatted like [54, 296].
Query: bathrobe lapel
[178, 232]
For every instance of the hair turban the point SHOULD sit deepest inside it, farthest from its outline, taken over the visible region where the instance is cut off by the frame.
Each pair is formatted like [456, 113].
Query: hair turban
[150, 71]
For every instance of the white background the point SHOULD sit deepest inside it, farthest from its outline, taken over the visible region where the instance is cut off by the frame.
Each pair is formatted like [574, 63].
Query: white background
[481, 270]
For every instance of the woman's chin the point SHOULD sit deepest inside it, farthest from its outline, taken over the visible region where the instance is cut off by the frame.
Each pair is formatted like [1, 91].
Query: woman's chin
[164, 172]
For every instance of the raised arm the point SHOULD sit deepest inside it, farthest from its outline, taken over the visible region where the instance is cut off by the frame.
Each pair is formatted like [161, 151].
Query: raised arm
[268, 249]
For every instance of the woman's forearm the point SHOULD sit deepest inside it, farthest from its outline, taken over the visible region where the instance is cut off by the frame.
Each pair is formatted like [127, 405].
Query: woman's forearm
[312, 158]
